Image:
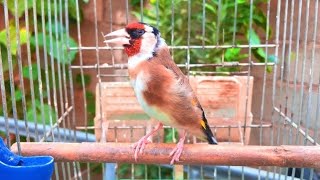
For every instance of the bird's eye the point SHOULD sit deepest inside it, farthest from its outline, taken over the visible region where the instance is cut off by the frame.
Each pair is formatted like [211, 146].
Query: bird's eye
[136, 33]
[140, 31]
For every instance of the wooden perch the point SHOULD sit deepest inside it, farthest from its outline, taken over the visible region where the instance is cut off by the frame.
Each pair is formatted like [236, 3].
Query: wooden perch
[233, 155]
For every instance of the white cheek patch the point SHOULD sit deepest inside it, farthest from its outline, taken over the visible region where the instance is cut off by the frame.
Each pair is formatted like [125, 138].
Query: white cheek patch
[147, 48]
[148, 28]
[148, 43]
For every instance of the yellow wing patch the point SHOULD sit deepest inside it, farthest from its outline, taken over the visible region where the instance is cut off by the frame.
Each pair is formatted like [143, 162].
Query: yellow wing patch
[194, 102]
[203, 124]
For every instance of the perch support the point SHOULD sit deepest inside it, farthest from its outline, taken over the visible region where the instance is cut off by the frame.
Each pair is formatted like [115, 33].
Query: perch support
[233, 155]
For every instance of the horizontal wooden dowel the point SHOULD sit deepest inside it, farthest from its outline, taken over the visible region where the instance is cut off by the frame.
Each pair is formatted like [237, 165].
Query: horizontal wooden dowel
[233, 155]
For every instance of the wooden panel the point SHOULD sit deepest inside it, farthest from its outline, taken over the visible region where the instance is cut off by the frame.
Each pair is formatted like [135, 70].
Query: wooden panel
[222, 98]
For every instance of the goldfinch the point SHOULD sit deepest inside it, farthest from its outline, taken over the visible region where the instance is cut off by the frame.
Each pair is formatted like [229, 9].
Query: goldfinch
[161, 88]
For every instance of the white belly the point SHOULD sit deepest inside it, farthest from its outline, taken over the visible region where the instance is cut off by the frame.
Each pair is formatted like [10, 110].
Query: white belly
[139, 85]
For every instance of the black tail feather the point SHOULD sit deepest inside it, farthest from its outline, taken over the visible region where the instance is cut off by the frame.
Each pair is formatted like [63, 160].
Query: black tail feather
[207, 131]
[210, 138]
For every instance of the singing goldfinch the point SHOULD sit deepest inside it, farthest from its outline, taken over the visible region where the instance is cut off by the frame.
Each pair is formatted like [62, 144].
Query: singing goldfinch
[161, 88]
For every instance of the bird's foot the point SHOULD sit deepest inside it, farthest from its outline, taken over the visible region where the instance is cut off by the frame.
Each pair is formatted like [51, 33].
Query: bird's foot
[177, 151]
[139, 146]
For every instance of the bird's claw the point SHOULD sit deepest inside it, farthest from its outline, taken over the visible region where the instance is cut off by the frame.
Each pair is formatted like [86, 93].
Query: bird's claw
[176, 152]
[139, 147]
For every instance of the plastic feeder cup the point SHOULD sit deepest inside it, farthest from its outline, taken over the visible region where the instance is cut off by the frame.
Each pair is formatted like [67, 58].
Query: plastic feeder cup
[14, 167]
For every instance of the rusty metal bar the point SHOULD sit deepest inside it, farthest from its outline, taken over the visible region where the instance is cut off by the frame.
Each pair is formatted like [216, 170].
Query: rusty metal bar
[233, 155]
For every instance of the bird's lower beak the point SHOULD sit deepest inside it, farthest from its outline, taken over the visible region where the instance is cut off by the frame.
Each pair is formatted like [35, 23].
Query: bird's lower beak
[121, 37]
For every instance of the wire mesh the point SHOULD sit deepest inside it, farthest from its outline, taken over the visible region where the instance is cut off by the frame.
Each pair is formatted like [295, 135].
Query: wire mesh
[54, 71]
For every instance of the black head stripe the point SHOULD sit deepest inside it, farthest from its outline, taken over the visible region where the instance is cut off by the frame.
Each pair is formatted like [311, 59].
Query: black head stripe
[155, 31]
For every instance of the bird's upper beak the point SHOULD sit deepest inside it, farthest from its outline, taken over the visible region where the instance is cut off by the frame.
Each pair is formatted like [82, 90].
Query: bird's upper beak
[121, 37]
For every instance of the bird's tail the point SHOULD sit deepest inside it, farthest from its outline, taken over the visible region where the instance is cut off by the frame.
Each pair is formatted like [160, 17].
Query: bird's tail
[207, 131]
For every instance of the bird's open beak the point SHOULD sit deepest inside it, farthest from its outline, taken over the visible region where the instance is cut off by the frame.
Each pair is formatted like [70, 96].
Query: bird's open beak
[121, 37]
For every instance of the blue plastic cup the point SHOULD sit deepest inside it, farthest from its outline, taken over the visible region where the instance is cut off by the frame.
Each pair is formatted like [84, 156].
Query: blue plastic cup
[14, 167]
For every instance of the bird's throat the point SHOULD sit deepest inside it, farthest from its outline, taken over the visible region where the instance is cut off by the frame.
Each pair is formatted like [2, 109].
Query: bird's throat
[133, 48]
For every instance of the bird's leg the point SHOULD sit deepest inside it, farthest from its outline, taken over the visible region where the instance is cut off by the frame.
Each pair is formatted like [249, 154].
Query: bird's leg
[176, 152]
[140, 145]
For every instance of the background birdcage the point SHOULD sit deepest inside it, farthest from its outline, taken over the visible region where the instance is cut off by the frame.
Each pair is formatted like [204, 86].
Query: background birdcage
[254, 65]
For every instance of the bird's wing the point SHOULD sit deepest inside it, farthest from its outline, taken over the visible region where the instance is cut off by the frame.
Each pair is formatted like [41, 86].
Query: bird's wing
[188, 101]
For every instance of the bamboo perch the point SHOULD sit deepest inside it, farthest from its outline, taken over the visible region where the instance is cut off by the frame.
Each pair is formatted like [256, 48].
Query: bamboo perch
[284, 156]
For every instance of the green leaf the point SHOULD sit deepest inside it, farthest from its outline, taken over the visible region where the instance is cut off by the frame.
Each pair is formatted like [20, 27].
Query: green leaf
[252, 37]
[72, 9]
[261, 53]
[86, 78]
[59, 48]
[21, 6]
[272, 58]
[56, 28]
[67, 56]
[85, 1]
[232, 54]
[34, 72]
[91, 105]
[13, 38]
[47, 112]
[4, 56]
[241, 1]
[18, 95]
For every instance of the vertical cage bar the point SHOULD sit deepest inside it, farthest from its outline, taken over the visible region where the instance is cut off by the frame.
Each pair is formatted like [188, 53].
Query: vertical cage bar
[59, 60]
[311, 74]
[127, 11]
[172, 28]
[188, 38]
[4, 102]
[12, 88]
[70, 122]
[98, 72]
[63, 66]
[46, 66]
[19, 60]
[65, 83]
[289, 134]
[38, 60]
[249, 72]
[55, 104]
[33, 106]
[141, 10]
[235, 22]
[275, 72]
[82, 78]
[303, 70]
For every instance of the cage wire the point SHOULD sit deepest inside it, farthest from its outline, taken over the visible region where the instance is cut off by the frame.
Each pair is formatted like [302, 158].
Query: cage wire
[56, 72]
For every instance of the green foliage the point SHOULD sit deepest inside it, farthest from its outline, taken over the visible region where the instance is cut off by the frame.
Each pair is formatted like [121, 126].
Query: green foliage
[13, 37]
[34, 72]
[59, 48]
[142, 171]
[170, 135]
[18, 94]
[91, 107]
[47, 111]
[4, 56]
[86, 79]
[21, 7]
[60, 42]
[219, 27]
